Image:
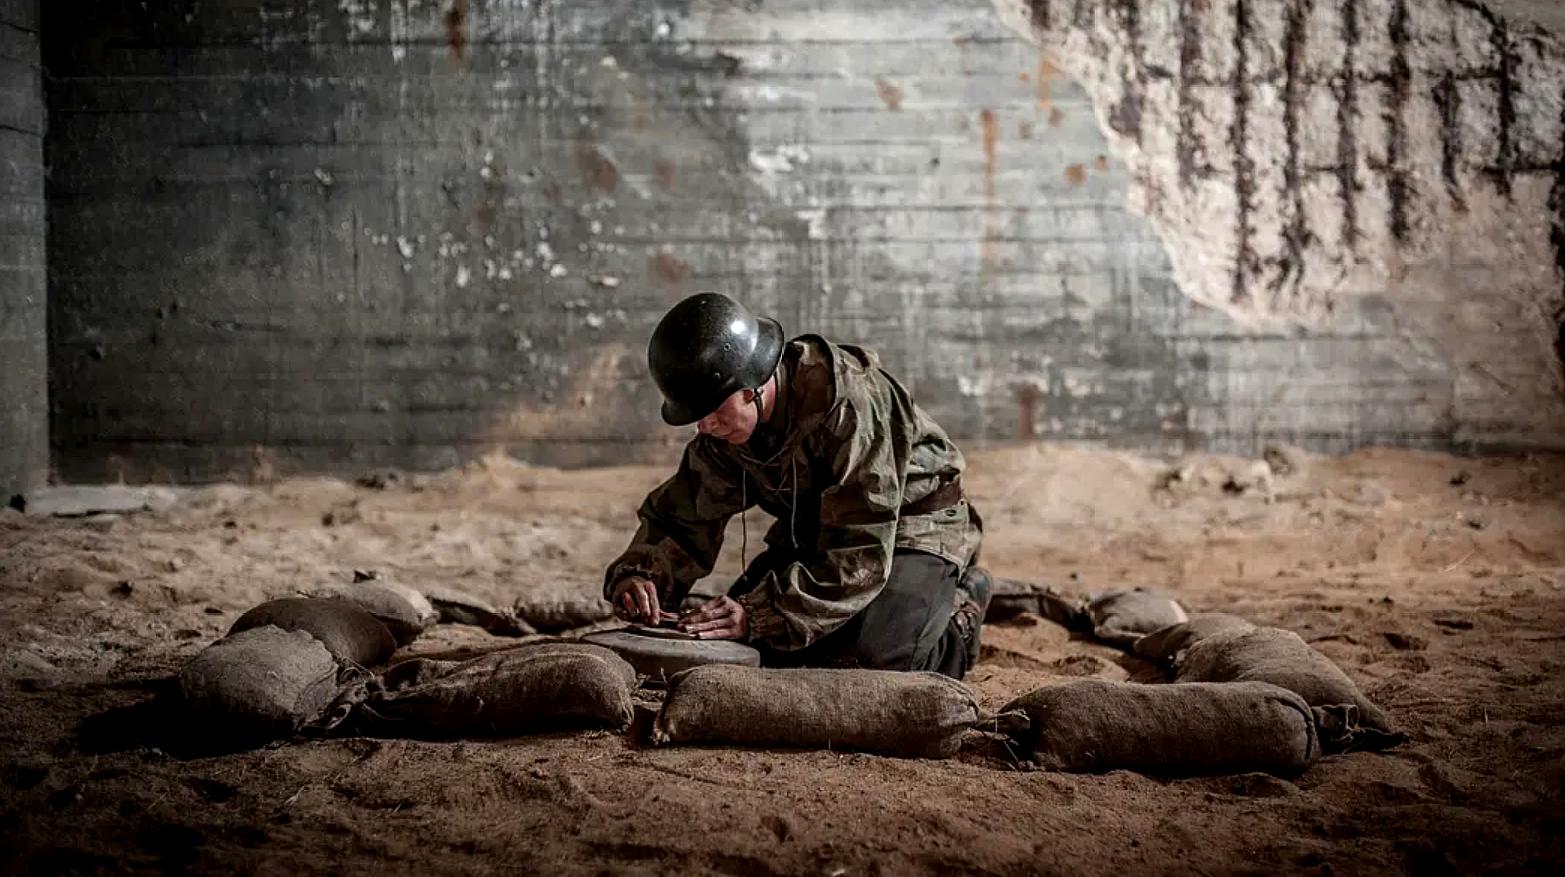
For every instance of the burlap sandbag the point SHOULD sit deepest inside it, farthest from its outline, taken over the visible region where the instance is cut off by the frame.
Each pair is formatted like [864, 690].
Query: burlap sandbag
[1120, 617]
[405, 612]
[562, 613]
[259, 684]
[352, 635]
[516, 691]
[913, 715]
[1165, 644]
[561, 606]
[1096, 725]
[458, 607]
[1270, 654]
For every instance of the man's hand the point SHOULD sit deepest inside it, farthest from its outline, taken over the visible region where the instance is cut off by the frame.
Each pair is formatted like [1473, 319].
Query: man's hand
[722, 618]
[636, 599]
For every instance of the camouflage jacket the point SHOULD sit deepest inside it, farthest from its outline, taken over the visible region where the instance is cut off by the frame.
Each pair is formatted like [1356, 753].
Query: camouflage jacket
[843, 453]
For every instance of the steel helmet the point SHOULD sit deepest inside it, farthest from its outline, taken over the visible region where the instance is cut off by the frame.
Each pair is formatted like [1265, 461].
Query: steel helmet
[705, 349]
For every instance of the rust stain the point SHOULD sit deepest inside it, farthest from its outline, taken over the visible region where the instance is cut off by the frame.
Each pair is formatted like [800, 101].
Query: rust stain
[1101, 162]
[1046, 73]
[663, 173]
[1027, 408]
[889, 93]
[1076, 174]
[484, 216]
[596, 170]
[989, 132]
[456, 29]
[1024, 76]
[1055, 117]
[670, 269]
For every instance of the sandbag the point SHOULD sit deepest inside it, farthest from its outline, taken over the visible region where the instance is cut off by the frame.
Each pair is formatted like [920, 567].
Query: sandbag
[1197, 728]
[1012, 597]
[1270, 654]
[258, 684]
[456, 607]
[1120, 617]
[506, 693]
[405, 612]
[352, 635]
[557, 613]
[913, 715]
[1166, 643]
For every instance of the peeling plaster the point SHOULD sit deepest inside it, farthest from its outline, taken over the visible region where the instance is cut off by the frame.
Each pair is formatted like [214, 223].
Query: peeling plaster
[1291, 154]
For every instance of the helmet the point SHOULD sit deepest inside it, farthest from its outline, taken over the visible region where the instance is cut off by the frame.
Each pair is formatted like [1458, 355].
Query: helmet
[705, 349]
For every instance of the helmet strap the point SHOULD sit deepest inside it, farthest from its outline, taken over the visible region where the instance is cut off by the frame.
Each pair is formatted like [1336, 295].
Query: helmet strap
[760, 392]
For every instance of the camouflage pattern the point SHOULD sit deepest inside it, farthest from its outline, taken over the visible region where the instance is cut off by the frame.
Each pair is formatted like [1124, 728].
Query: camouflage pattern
[844, 452]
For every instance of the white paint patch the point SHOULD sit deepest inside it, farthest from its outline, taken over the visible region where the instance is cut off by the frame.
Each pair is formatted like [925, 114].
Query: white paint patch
[463, 275]
[359, 16]
[816, 218]
[399, 30]
[784, 159]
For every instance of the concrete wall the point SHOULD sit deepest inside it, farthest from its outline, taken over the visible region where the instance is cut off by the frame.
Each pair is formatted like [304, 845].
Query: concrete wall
[24, 414]
[334, 233]
[1301, 156]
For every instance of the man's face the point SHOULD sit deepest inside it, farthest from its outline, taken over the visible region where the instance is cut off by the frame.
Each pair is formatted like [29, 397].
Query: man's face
[733, 421]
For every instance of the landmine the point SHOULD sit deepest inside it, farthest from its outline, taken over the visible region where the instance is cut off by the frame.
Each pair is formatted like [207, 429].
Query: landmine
[659, 654]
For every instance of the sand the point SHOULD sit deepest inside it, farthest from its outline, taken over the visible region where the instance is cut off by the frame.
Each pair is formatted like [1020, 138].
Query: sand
[1437, 582]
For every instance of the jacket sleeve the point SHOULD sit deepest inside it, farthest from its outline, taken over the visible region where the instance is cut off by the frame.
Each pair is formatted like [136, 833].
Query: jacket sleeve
[798, 604]
[682, 523]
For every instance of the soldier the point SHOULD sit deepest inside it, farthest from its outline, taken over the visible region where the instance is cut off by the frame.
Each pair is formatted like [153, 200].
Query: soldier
[871, 561]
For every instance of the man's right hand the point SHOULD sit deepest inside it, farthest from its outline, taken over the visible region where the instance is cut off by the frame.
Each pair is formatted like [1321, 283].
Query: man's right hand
[636, 599]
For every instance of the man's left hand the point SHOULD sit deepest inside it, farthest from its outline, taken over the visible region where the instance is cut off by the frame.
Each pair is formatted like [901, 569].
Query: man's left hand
[722, 618]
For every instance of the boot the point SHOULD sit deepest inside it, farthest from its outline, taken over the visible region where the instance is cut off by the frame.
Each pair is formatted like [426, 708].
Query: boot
[972, 602]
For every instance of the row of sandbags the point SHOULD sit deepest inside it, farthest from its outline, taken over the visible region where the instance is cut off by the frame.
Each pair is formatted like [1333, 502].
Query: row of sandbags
[1220, 647]
[1086, 725]
[284, 661]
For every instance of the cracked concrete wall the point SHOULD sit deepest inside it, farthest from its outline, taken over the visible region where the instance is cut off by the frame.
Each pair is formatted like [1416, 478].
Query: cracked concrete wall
[24, 413]
[1299, 157]
[331, 234]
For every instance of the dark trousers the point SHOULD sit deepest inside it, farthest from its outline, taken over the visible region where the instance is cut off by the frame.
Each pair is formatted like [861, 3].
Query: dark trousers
[907, 626]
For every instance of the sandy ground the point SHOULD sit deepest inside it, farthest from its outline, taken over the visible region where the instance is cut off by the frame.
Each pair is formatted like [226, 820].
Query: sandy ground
[1437, 582]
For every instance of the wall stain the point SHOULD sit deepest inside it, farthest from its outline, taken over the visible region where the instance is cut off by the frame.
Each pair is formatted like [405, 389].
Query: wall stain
[670, 268]
[484, 216]
[1075, 174]
[1055, 117]
[663, 173]
[1045, 81]
[890, 94]
[596, 170]
[1027, 409]
[456, 29]
[989, 134]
